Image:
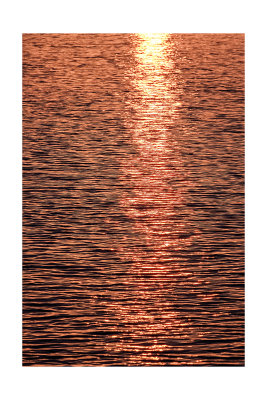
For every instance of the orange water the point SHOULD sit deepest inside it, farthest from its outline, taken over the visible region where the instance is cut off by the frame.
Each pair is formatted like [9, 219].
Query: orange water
[133, 199]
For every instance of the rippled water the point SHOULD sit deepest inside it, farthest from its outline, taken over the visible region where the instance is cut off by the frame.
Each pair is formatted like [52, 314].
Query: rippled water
[133, 250]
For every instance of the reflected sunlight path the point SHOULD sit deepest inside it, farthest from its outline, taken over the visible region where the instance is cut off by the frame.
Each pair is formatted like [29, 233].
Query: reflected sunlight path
[152, 206]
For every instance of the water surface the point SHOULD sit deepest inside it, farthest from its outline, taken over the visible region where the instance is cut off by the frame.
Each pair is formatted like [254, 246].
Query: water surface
[133, 192]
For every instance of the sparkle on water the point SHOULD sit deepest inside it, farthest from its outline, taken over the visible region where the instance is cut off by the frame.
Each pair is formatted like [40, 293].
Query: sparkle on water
[133, 199]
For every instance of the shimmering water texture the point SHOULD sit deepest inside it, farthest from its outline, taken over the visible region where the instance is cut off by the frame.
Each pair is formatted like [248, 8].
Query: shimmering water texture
[133, 217]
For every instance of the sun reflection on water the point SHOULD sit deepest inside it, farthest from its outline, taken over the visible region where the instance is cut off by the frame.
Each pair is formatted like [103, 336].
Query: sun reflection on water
[151, 204]
[151, 53]
[153, 168]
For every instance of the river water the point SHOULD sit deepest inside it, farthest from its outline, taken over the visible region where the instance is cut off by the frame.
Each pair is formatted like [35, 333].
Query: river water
[133, 199]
